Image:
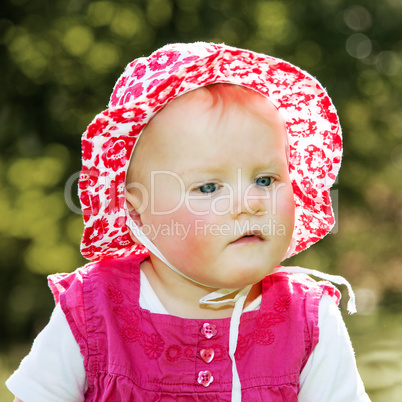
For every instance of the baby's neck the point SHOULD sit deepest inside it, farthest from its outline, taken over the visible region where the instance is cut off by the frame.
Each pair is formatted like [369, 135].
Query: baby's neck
[181, 298]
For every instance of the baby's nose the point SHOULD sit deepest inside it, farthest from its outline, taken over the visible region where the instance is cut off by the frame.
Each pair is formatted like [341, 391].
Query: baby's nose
[251, 200]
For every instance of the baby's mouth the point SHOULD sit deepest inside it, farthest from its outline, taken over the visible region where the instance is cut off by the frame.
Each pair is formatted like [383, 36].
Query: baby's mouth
[249, 238]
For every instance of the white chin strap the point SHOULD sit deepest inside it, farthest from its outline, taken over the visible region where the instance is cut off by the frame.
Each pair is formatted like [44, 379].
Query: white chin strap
[220, 298]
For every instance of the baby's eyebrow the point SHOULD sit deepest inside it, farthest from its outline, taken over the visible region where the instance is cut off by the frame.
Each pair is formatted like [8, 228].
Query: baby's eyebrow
[201, 169]
[212, 172]
[273, 165]
[199, 174]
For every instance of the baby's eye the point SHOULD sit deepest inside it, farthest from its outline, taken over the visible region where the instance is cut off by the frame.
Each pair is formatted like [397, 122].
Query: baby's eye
[263, 181]
[208, 188]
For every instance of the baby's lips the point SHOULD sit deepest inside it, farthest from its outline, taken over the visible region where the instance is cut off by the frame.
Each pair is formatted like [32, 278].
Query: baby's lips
[256, 234]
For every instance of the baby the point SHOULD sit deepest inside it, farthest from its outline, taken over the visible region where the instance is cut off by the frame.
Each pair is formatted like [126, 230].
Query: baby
[210, 167]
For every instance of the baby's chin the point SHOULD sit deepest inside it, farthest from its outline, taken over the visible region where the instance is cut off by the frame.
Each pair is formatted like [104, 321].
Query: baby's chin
[239, 280]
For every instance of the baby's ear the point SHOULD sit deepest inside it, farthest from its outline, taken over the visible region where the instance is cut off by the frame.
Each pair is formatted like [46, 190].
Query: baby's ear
[134, 208]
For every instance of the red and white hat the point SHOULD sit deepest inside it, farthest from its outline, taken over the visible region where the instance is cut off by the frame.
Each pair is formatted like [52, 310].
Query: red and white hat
[148, 84]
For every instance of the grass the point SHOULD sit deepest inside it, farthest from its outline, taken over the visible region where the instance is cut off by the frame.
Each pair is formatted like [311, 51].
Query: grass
[377, 339]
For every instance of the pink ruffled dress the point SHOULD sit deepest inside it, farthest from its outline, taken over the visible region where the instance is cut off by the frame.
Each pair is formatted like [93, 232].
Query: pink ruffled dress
[131, 354]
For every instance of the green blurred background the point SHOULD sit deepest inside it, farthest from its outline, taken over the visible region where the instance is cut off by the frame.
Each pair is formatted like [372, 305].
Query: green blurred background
[58, 63]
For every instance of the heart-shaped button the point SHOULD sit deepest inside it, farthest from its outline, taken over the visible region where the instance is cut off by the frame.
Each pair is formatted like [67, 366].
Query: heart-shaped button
[207, 355]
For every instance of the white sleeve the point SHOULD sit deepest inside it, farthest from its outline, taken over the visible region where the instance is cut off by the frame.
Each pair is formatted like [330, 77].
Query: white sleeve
[54, 368]
[330, 373]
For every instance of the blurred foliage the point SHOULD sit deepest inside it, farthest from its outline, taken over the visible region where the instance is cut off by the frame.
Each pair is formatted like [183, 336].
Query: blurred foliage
[59, 62]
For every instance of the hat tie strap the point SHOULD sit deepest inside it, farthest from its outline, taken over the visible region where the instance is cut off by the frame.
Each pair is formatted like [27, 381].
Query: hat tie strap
[339, 280]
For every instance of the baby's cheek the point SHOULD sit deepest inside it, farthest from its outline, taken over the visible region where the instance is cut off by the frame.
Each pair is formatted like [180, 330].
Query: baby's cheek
[198, 206]
[197, 229]
[192, 243]
[284, 198]
[287, 217]
[287, 207]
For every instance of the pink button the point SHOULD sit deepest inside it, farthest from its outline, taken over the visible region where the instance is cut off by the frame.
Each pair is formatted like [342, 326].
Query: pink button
[208, 330]
[207, 355]
[205, 378]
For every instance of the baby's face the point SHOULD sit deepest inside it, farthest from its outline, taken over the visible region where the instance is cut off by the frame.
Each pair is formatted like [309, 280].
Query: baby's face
[216, 197]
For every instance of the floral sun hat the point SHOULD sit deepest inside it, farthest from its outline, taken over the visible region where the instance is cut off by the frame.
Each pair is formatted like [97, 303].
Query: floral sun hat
[148, 84]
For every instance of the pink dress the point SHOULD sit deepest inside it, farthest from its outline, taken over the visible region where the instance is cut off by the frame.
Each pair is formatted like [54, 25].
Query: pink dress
[131, 354]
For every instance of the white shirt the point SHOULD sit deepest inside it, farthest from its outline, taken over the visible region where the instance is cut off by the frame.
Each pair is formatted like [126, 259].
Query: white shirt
[54, 369]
